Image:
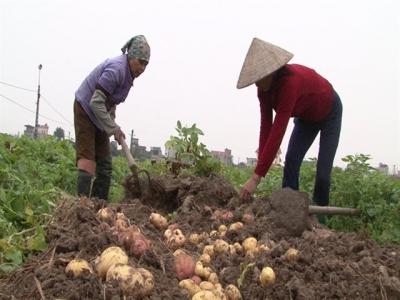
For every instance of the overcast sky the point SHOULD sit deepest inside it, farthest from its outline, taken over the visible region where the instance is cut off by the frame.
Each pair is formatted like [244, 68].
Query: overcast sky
[197, 51]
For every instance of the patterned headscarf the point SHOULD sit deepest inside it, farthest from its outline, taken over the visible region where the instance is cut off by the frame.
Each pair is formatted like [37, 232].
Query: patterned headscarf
[137, 47]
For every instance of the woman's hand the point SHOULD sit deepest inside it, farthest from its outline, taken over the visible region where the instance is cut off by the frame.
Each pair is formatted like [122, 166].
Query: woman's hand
[118, 135]
[250, 187]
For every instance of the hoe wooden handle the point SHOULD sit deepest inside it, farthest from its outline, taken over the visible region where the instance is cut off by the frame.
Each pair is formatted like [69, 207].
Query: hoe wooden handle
[332, 210]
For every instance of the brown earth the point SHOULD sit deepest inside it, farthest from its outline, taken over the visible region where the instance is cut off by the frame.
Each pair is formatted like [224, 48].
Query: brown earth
[331, 265]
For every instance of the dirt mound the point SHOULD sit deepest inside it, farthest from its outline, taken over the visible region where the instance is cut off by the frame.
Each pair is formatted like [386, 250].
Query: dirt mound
[331, 265]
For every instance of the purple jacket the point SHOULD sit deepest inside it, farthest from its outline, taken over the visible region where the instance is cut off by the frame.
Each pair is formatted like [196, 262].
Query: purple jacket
[114, 76]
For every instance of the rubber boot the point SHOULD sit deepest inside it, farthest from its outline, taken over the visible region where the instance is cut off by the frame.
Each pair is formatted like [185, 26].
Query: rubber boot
[101, 185]
[84, 183]
[321, 218]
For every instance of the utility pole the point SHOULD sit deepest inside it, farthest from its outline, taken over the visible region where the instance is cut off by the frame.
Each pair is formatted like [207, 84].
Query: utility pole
[37, 107]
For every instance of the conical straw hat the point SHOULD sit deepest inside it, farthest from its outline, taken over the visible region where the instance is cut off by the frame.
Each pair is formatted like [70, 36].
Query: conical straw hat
[261, 60]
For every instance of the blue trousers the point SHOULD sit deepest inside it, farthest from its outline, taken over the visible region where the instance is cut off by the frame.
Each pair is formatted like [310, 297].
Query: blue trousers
[303, 135]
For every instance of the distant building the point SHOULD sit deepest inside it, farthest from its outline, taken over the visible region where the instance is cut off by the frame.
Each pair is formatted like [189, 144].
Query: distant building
[276, 162]
[226, 156]
[43, 130]
[384, 169]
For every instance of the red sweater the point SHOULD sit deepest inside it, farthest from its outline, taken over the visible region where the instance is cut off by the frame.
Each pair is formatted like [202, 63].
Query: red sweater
[296, 91]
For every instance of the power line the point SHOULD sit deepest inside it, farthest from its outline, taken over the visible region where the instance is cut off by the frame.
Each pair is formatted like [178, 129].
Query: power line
[17, 87]
[41, 95]
[56, 110]
[34, 111]
[16, 103]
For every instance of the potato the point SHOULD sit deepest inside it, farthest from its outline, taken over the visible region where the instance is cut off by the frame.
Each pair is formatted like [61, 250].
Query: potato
[129, 279]
[112, 249]
[227, 216]
[267, 277]
[232, 249]
[199, 269]
[77, 267]
[250, 244]
[148, 280]
[206, 272]
[158, 220]
[194, 238]
[109, 257]
[179, 252]
[190, 286]
[135, 243]
[220, 246]
[233, 293]
[249, 256]
[196, 279]
[138, 247]
[121, 216]
[222, 228]
[184, 266]
[219, 292]
[213, 233]
[167, 234]
[292, 255]
[213, 278]
[120, 225]
[206, 286]
[262, 248]
[209, 249]
[177, 240]
[236, 226]
[205, 295]
[105, 214]
[238, 248]
[205, 259]
[247, 217]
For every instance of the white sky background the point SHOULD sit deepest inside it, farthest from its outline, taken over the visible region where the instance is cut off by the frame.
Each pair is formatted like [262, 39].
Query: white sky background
[197, 51]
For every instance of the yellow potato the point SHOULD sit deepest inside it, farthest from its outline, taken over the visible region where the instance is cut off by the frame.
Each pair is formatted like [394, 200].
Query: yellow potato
[205, 295]
[158, 220]
[213, 278]
[108, 258]
[148, 280]
[199, 269]
[292, 255]
[209, 249]
[77, 266]
[205, 259]
[238, 248]
[105, 214]
[250, 244]
[190, 286]
[236, 226]
[194, 238]
[220, 246]
[267, 277]
[206, 286]
[129, 279]
[233, 293]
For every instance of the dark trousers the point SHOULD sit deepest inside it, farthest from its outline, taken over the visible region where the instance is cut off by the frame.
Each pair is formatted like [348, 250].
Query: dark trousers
[303, 135]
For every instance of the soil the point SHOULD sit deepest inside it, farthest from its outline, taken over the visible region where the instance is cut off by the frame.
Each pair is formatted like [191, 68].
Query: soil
[331, 264]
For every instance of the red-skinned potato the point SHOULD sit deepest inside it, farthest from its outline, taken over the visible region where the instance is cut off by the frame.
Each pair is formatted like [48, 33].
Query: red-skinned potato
[173, 226]
[121, 225]
[184, 266]
[177, 240]
[135, 243]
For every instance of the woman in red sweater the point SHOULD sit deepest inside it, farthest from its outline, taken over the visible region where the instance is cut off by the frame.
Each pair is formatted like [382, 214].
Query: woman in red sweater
[296, 91]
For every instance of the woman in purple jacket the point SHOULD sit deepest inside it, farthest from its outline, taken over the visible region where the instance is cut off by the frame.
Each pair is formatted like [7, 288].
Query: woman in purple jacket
[94, 114]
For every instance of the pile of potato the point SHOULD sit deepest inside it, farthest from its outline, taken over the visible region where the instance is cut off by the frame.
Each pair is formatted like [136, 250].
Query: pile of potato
[196, 276]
